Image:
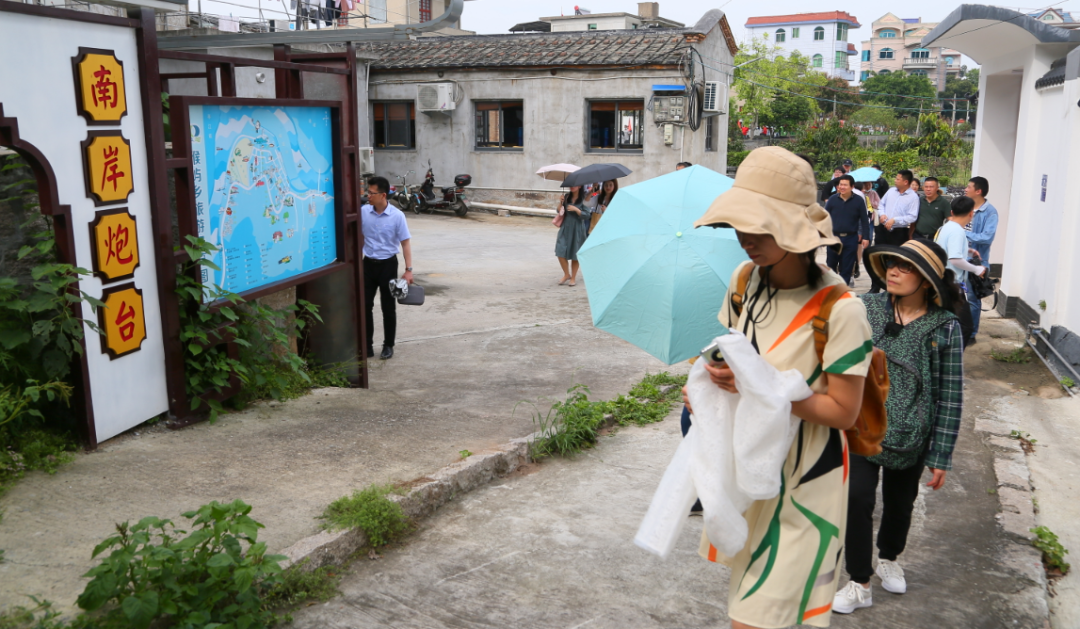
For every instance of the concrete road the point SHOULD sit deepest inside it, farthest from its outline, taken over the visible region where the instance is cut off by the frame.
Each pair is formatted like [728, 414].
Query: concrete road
[552, 549]
[496, 330]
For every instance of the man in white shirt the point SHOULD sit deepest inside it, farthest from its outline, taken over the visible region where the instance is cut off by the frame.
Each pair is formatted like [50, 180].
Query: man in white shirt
[898, 210]
[953, 239]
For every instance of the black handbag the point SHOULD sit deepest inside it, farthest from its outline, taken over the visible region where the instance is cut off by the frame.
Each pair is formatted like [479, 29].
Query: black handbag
[983, 286]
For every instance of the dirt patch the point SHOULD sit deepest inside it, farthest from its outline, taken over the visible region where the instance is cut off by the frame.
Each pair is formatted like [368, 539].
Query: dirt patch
[1002, 337]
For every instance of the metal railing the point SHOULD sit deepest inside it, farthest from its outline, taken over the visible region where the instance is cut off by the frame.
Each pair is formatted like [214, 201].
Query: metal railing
[921, 61]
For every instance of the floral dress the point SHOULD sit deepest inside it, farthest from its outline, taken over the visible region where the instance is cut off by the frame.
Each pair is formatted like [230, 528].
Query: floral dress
[787, 572]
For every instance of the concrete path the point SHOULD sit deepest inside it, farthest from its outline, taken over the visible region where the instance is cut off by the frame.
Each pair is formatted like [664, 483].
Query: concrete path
[496, 330]
[553, 549]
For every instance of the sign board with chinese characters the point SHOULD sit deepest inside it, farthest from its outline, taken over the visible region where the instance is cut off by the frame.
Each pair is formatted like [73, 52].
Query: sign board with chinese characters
[73, 86]
[264, 191]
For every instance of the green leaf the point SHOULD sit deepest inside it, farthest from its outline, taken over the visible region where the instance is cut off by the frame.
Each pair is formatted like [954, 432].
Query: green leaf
[195, 349]
[97, 592]
[141, 609]
[10, 338]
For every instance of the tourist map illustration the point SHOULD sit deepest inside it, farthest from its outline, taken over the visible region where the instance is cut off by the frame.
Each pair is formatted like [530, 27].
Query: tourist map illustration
[264, 192]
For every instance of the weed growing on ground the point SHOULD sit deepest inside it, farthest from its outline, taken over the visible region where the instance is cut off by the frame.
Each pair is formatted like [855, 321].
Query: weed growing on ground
[369, 510]
[464, 454]
[34, 450]
[40, 616]
[1068, 382]
[1042, 305]
[1018, 356]
[1052, 550]
[574, 424]
[297, 585]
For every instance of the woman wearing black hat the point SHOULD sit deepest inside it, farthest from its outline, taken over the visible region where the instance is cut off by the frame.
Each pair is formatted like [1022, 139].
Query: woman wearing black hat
[914, 323]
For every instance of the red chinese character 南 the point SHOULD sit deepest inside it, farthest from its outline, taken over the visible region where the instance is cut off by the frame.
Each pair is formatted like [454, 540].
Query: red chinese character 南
[109, 172]
[127, 330]
[117, 242]
[105, 92]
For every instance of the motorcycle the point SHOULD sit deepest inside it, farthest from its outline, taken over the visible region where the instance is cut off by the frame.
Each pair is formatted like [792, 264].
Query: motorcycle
[453, 197]
[401, 196]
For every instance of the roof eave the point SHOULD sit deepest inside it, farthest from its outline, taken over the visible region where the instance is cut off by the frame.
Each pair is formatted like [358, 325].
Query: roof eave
[1000, 32]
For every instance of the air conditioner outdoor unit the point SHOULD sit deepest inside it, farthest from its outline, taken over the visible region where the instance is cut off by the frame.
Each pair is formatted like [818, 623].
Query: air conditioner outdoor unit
[435, 97]
[367, 161]
[716, 98]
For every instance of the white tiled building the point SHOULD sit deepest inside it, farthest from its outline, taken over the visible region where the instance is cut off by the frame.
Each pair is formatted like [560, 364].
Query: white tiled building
[822, 37]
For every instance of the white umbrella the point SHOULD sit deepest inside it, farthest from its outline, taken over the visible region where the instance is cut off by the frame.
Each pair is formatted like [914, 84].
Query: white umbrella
[557, 172]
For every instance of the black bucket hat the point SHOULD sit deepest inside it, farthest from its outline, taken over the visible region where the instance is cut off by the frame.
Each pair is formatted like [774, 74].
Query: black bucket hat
[927, 256]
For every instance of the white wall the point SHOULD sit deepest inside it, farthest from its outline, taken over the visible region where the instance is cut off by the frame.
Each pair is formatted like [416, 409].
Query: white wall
[995, 144]
[581, 23]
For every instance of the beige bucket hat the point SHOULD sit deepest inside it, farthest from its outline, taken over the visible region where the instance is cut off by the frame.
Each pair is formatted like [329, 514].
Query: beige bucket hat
[774, 193]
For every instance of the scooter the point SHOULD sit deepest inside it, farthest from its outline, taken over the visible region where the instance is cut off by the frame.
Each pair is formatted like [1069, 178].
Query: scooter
[453, 197]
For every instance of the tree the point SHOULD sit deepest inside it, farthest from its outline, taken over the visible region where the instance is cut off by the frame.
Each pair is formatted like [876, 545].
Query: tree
[788, 111]
[966, 88]
[837, 90]
[891, 89]
[767, 76]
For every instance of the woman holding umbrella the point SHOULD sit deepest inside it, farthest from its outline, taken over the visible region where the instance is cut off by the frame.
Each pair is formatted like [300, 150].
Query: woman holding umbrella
[572, 233]
[603, 200]
[787, 572]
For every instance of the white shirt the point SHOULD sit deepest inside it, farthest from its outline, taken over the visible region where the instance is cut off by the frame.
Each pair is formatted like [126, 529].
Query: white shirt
[903, 207]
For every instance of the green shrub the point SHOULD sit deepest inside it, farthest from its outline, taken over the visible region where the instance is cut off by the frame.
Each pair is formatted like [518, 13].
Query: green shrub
[369, 510]
[1052, 550]
[734, 158]
[296, 585]
[212, 577]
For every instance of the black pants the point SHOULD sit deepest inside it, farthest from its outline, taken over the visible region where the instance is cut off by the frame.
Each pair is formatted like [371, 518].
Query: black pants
[684, 424]
[899, 489]
[843, 261]
[883, 236]
[377, 276]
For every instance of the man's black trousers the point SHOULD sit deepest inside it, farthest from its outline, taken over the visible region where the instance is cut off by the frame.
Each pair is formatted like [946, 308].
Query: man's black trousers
[883, 236]
[843, 261]
[377, 276]
[899, 489]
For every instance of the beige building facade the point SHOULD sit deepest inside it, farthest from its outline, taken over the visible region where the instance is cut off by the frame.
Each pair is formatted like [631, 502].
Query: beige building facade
[895, 45]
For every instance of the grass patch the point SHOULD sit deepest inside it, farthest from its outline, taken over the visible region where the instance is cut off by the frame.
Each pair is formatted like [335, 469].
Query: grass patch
[297, 585]
[1017, 356]
[1068, 382]
[280, 382]
[28, 450]
[573, 424]
[1052, 550]
[40, 616]
[369, 510]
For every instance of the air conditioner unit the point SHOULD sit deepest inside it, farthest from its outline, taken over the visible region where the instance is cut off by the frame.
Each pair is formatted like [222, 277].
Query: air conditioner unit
[716, 98]
[435, 97]
[367, 161]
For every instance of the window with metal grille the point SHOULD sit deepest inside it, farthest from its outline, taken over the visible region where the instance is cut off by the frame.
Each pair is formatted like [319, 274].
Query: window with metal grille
[500, 125]
[425, 10]
[394, 125]
[616, 126]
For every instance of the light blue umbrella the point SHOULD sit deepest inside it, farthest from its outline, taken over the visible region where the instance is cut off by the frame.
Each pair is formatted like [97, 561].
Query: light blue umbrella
[652, 278]
[865, 173]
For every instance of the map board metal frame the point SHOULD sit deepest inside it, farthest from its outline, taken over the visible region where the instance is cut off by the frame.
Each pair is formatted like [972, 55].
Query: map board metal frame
[179, 108]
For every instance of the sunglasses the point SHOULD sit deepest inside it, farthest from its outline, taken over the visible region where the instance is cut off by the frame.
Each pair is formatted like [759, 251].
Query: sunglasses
[893, 262]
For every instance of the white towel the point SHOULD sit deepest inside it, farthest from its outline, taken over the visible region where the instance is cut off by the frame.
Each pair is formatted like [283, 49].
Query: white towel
[733, 454]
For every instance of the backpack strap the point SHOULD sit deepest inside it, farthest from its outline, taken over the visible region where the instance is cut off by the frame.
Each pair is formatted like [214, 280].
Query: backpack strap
[741, 286]
[820, 322]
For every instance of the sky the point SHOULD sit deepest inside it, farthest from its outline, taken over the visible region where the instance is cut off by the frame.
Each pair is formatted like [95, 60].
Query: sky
[497, 16]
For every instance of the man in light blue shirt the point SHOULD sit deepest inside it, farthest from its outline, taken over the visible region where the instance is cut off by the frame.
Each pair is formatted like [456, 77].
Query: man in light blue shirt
[981, 232]
[384, 230]
[897, 212]
[953, 239]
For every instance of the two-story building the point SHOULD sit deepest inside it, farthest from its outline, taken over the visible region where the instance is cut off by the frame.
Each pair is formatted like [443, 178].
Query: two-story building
[822, 37]
[895, 45]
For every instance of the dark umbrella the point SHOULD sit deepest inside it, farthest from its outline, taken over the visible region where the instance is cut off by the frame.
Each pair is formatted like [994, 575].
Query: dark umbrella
[594, 173]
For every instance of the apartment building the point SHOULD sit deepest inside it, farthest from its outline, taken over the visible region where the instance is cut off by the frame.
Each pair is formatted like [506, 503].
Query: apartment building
[822, 37]
[895, 45]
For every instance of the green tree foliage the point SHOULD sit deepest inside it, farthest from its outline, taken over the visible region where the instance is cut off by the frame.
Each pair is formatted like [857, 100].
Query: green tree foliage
[961, 87]
[898, 85]
[758, 83]
[787, 112]
[935, 138]
[834, 94]
[828, 141]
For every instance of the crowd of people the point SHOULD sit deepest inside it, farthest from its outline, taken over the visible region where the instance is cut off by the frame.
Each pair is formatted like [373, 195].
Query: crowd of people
[918, 247]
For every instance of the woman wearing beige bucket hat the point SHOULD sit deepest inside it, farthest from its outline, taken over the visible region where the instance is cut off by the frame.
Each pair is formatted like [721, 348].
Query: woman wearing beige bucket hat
[915, 323]
[787, 572]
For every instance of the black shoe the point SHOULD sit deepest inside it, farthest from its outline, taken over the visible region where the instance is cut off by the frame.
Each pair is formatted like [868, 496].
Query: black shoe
[387, 352]
[697, 510]
[856, 273]
[371, 352]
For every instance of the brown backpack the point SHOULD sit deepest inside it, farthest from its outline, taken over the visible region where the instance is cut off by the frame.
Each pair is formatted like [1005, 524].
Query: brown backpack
[864, 438]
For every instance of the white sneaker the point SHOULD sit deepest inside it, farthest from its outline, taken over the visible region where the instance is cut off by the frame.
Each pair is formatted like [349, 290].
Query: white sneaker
[852, 597]
[892, 576]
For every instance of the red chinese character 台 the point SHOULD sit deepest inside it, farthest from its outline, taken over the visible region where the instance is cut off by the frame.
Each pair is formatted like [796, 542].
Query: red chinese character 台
[105, 92]
[110, 172]
[116, 243]
[127, 330]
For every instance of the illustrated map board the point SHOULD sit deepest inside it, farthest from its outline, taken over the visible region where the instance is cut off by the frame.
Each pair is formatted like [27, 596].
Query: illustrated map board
[126, 366]
[264, 192]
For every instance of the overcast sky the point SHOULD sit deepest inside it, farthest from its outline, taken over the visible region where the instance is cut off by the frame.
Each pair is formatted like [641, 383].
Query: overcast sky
[497, 16]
